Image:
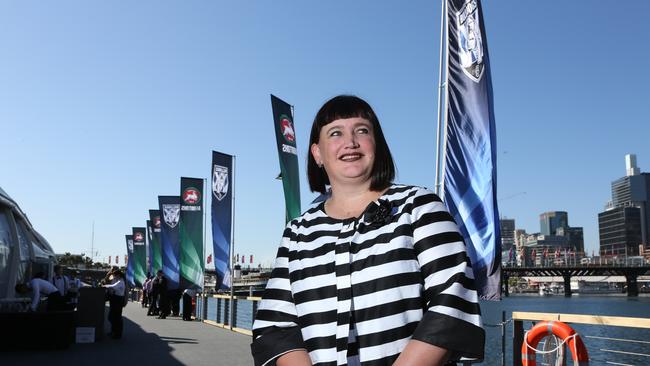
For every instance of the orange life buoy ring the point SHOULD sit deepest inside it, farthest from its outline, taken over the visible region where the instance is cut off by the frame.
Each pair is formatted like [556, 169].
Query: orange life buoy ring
[559, 329]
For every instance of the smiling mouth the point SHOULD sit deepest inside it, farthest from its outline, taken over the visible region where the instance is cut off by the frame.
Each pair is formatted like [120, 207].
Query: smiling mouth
[351, 157]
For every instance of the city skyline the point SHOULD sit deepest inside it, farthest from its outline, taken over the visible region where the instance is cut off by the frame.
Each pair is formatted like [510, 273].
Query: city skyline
[103, 107]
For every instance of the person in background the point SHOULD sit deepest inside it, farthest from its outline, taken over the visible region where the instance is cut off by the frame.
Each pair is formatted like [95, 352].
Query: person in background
[146, 291]
[154, 295]
[188, 294]
[163, 295]
[73, 291]
[108, 279]
[116, 292]
[175, 301]
[61, 281]
[40, 287]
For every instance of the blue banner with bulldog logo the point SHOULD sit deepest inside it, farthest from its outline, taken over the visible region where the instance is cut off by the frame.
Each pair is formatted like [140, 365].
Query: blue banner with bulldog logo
[222, 199]
[170, 208]
[470, 165]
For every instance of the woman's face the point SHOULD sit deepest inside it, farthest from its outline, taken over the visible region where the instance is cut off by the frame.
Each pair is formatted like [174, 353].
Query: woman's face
[346, 149]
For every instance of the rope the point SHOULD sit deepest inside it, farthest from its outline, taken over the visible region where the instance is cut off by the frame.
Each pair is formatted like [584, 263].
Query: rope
[552, 350]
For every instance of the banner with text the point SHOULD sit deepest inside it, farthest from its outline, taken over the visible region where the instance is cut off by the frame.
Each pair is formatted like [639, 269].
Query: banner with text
[191, 233]
[139, 255]
[222, 199]
[285, 136]
[170, 208]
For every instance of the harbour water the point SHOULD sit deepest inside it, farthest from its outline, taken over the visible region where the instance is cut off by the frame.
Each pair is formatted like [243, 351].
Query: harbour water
[612, 305]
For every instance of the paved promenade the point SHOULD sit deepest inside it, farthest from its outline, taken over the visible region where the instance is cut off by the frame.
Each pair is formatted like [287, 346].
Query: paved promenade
[148, 341]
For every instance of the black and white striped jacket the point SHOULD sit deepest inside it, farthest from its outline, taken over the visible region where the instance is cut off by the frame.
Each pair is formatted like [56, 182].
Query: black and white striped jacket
[355, 291]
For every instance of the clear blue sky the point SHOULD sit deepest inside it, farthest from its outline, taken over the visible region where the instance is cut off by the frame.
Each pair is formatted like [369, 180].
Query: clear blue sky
[104, 105]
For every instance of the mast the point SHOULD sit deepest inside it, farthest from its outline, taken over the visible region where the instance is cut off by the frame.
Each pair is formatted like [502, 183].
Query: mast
[205, 215]
[232, 248]
[446, 113]
[441, 85]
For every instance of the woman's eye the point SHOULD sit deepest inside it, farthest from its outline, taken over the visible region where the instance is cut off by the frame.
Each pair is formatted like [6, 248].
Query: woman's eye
[363, 130]
[335, 133]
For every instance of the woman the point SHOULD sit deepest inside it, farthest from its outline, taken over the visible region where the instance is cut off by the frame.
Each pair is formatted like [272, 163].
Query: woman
[116, 292]
[376, 274]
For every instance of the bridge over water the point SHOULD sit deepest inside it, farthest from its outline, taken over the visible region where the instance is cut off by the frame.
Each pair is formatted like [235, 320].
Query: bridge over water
[630, 273]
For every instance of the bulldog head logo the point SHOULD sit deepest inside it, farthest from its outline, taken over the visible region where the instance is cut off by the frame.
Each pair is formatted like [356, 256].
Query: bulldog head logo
[220, 182]
[171, 214]
[470, 42]
[138, 237]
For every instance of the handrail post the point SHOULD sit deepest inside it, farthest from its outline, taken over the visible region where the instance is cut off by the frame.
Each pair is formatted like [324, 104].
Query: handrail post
[503, 338]
[517, 341]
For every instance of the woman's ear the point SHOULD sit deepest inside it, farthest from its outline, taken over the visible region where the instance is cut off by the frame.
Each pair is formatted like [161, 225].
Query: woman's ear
[315, 152]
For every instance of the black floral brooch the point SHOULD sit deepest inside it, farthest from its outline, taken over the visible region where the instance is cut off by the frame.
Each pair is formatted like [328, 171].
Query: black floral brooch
[379, 214]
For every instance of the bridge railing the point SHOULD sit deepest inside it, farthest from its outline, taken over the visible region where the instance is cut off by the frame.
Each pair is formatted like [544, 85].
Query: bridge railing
[624, 347]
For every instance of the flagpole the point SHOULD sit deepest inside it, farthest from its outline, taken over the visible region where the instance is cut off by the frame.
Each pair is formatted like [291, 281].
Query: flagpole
[232, 247]
[446, 113]
[205, 215]
[440, 86]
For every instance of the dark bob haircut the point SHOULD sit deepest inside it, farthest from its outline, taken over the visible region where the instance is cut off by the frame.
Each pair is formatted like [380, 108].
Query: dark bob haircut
[342, 107]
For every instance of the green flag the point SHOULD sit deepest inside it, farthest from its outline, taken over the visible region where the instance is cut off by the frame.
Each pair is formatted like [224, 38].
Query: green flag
[191, 233]
[285, 136]
[154, 245]
[139, 255]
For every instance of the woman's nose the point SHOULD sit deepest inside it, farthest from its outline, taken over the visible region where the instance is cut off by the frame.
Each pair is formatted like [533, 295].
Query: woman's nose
[351, 140]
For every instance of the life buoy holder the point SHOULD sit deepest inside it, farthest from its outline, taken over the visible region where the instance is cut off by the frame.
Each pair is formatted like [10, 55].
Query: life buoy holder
[567, 334]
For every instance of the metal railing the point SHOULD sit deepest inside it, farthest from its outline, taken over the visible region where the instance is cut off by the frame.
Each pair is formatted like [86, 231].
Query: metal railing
[217, 310]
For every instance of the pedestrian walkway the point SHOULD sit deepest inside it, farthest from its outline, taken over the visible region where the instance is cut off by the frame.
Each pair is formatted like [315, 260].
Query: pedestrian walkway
[148, 341]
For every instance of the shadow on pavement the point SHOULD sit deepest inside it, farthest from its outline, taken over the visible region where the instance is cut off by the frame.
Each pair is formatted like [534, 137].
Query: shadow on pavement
[137, 347]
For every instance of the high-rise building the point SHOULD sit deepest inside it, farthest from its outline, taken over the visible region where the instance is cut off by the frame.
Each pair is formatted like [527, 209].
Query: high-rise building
[507, 233]
[625, 223]
[620, 231]
[576, 239]
[550, 222]
[507, 240]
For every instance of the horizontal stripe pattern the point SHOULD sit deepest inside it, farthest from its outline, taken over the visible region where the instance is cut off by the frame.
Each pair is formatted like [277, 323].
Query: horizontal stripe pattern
[383, 276]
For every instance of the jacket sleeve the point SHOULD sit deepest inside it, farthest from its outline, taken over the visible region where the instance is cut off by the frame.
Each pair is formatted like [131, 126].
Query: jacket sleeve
[452, 319]
[275, 330]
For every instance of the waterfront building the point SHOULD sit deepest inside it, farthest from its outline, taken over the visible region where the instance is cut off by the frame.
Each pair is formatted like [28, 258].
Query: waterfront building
[520, 241]
[507, 240]
[575, 236]
[557, 242]
[550, 222]
[619, 231]
[625, 223]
